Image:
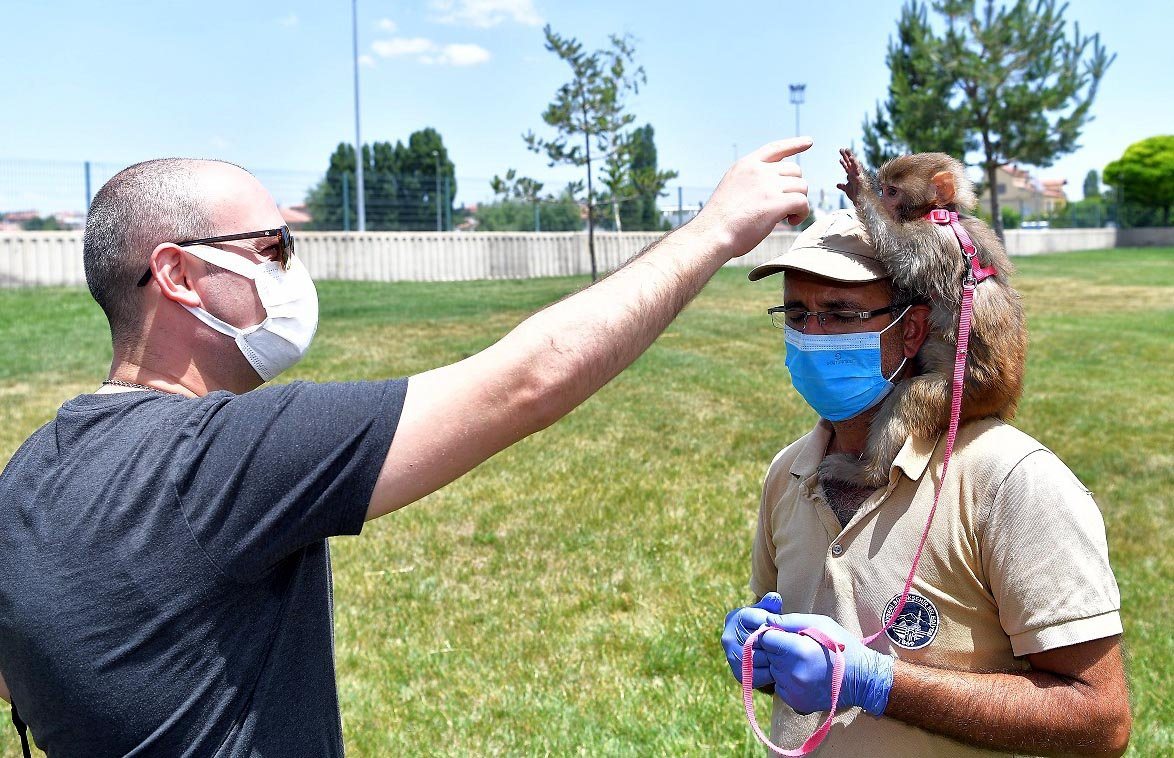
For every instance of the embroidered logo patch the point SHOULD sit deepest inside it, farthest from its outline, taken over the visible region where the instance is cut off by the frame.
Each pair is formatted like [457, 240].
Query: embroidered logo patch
[917, 625]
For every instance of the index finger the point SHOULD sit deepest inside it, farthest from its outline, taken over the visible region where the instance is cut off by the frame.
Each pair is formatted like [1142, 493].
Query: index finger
[773, 152]
[779, 642]
[797, 622]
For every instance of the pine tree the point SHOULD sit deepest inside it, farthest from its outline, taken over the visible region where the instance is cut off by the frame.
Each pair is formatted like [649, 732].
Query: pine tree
[646, 183]
[921, 115]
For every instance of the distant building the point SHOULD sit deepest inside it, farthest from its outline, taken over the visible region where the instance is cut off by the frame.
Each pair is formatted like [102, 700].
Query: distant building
[70, 219]
[1017, 189]
[295, 216]
[678, 215]
[14, 221]
[470, 222]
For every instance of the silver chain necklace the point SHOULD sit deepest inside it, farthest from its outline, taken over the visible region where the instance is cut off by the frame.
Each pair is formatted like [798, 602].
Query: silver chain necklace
[134, 386]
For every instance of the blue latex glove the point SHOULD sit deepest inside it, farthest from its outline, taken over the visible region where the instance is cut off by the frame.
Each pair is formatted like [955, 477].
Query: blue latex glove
[740, 624]
[802, 668]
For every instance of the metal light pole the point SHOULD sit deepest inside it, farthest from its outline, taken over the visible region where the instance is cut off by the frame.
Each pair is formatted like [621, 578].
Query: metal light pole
[358, 140]
[797, 92]
[436, 162]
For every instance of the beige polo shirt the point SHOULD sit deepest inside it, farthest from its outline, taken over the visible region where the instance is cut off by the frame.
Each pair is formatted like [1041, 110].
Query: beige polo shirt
[1016, 563]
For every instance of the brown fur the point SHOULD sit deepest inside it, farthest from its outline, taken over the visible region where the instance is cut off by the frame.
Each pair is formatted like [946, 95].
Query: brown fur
[926, 260]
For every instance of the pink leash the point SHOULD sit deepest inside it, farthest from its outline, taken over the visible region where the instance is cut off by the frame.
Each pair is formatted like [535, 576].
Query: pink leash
[975, 273]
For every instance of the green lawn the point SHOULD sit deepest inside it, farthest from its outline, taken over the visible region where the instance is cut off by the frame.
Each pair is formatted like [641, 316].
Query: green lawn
[567, 597]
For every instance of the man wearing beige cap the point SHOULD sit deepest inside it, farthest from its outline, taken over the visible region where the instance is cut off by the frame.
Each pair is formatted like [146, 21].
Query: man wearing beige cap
[1009, 640]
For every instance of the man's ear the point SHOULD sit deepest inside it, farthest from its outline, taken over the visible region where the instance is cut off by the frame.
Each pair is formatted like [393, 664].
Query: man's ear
[916, 329]
[170, 270]
[943, 182]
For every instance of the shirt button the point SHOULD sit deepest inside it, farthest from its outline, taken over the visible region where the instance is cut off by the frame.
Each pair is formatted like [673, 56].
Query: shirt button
[837, 549]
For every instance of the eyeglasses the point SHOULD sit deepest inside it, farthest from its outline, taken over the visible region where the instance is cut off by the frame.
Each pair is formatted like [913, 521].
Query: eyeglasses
[285, 245]
[833, 321]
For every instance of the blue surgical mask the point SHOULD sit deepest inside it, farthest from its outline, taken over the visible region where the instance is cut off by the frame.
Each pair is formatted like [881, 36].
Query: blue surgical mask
[839, 375]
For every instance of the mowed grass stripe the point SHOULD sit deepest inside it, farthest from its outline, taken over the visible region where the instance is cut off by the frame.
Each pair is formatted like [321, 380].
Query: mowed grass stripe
[567, 596]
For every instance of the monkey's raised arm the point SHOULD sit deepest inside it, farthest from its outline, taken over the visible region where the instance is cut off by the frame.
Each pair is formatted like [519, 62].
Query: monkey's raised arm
[857, 178]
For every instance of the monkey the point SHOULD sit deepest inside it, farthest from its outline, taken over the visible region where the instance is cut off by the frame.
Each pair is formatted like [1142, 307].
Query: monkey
[926, 265]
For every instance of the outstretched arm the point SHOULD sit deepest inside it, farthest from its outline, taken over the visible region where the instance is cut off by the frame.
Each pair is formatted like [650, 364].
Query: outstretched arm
[458, 416]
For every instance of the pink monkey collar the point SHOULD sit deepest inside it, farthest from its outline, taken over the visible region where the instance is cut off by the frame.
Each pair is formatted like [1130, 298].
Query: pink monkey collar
[943, 217]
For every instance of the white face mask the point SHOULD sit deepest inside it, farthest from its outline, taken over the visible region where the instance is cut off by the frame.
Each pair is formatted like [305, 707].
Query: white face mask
[291, 310]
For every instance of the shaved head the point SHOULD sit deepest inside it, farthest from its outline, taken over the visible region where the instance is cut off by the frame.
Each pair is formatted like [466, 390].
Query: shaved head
[142, 206]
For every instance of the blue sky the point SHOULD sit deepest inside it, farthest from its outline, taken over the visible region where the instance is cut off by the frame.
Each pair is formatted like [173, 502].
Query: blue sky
[269, 84]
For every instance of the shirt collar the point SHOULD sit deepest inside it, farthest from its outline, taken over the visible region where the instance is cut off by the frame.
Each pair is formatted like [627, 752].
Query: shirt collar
[915, 455]
[813, 451]
[912, 459]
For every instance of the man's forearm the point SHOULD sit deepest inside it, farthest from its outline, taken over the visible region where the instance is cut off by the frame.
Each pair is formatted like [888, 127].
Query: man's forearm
[584, 341]
[1034, 711]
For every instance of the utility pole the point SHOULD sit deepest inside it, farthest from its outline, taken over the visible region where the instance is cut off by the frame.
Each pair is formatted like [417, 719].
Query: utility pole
[797, 92]
[89, 195]
[436, 162]
[358, 140]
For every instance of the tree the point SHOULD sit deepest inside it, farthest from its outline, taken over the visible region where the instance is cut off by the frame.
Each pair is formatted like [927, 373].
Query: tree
[519, 206]
[590, 107]
[1017, 85]
[329, 205]
[1143, 181]
[399, 181]
[646, 183]
[1092, 185]
[921, 114]
[43, 224]
[422, 193]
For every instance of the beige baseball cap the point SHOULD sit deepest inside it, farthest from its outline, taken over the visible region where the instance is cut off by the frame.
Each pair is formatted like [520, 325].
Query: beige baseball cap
[835, 247]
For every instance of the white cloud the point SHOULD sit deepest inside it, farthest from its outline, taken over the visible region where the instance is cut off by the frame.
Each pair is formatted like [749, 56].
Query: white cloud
[397, 46]
[485, 13]
[387, 25]
[424, 50]
[463, 55]
[288, 21]
[367, 61]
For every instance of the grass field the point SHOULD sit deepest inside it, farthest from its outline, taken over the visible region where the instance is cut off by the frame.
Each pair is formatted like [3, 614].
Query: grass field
[567, 597]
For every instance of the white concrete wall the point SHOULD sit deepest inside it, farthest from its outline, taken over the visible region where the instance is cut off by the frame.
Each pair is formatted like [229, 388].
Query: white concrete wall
[55, 258]
[1038, 241]
[1156, 236]
[31, 259]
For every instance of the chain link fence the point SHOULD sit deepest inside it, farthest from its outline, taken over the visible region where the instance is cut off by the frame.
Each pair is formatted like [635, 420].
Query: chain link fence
[47, 195]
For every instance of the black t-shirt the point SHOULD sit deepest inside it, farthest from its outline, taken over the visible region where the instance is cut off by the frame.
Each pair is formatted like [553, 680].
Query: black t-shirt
[165, 580]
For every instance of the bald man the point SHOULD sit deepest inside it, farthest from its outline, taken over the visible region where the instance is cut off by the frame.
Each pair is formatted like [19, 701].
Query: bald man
[164, 573]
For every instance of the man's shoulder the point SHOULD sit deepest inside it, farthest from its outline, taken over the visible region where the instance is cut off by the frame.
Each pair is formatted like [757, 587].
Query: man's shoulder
[993, 456]
[992, 441]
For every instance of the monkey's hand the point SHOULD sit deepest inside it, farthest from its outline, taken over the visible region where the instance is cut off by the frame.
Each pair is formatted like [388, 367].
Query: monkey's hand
[855, 175]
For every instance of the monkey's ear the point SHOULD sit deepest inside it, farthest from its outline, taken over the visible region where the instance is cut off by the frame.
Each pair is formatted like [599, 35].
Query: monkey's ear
[943, 182]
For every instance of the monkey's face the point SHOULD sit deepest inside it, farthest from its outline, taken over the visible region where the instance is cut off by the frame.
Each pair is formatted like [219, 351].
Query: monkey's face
[894, 200]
